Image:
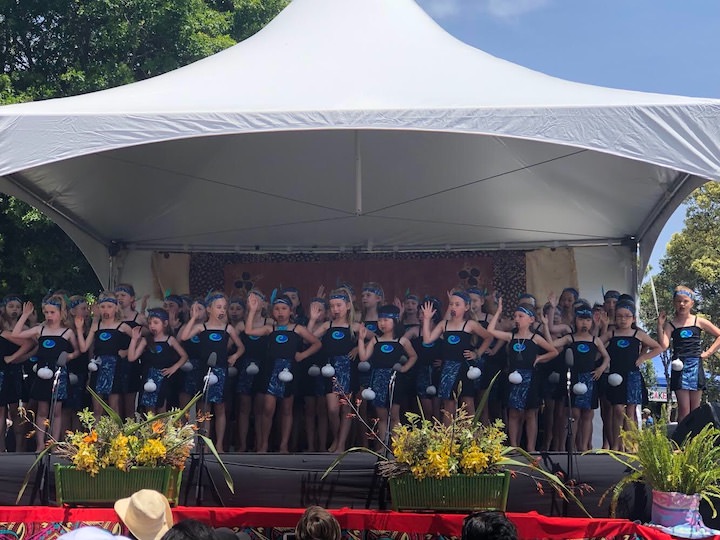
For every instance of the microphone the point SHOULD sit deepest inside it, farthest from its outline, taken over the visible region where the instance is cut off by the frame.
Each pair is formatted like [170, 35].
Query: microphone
[61, 362]
[211, 361]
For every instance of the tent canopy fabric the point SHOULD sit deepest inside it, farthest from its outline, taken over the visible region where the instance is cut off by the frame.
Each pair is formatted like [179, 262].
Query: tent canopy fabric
[357, 124]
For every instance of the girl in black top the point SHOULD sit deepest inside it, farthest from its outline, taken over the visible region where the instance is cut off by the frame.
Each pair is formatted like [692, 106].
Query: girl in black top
[523, 355]
[283, 351]
[684, 332]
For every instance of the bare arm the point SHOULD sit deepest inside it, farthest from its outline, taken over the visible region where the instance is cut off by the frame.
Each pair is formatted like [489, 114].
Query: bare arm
[235, 338]
[310, 339]
[410, 353]
[551, 353]
[663, 331]
[713, 330]
[597, 372]
[181, 361]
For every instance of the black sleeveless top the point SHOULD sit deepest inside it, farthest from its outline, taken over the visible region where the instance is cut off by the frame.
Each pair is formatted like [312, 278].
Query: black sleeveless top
[160, 355]
[522, 353]
[50, 347]
[337, 341]
[584, 354]
[283, 343]
[7, 348]
[214, 341]
[686, 341]
[386, 354]
[192, 347]
[426, 352]
[624, 352]
[255, 346]
[455, 343]
[109, 341]
[373, 327]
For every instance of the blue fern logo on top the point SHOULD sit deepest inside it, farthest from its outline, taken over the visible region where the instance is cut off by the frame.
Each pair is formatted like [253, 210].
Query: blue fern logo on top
[48, 344]
[337, 334]
[281, 338]
[453, 339]
[104, 336]
[519, 347]
[583, 348]
[215, 336]
[386, 348]
[623, 343]
[686, 333]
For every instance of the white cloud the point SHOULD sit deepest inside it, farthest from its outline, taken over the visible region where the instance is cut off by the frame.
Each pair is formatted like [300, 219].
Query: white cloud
[500, 9]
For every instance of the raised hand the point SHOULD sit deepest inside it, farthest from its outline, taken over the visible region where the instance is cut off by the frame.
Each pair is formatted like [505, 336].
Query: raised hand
[427, 310]
[253, 302]
[28, 309]
[662, 319]
[136, 332]
[315, 311]
[363, 332]
[321, 291]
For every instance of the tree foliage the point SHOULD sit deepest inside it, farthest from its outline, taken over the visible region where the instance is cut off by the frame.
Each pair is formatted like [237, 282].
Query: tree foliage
[58, 48]
[692, 258]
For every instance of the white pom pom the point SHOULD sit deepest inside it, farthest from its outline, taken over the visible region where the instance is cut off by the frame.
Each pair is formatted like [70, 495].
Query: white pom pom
[579, 389]
[364, 366]
[232, 371]
[285, 375]
[474, 373]
[328, 371]
[186, 367]
[212, 379]
[35, 368]
[150, 386]
[397, 366]
[92, 366]
[677, 365]
[515, 377]
[72, 378]
[615, 379]
[98, 361]
[368, 394]
[252, 369]
[554, 377]
[431, 390]
[314, 370]
[45, 373]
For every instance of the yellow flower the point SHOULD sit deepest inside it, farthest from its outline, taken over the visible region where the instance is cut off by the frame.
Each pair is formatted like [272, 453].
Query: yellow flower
[152, 451]
[86, 459]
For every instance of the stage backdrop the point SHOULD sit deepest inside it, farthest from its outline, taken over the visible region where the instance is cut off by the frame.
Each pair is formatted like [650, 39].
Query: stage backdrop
[419, 273]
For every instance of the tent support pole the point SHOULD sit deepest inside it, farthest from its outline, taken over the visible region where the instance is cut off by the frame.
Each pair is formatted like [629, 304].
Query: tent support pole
[358, 175]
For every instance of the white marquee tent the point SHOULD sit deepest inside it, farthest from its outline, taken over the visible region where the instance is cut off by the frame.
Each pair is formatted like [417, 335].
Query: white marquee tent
[359, 124]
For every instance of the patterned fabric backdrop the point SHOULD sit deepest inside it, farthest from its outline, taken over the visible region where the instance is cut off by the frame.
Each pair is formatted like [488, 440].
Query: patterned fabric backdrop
[421, 273]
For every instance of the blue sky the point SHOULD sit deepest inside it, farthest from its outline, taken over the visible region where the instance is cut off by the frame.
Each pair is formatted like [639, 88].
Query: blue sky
[666, 46]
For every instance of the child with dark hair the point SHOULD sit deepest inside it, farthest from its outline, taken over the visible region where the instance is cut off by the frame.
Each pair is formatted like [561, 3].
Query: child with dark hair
[488, 526]
[317, 524]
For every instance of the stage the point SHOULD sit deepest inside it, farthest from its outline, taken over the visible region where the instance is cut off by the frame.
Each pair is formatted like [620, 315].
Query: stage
[47, 523]
[295, 481]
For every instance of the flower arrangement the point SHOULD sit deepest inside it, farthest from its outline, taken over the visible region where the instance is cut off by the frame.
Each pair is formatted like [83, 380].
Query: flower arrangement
[691, 467]
[430, 449]
[149, 440]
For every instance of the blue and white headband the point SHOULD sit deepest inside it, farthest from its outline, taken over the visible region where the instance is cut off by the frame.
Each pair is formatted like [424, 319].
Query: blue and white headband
[282, 300]
[340, 296]
[211, 298]
[159, 313]
[52, 302]
[463, 295]
[525, 310]
[125, 289]
[374, 290]
[690, 295]
[109, 299]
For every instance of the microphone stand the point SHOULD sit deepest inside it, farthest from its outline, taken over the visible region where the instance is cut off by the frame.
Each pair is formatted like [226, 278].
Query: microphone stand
[42, 482]
[198, 461]
[570, 441]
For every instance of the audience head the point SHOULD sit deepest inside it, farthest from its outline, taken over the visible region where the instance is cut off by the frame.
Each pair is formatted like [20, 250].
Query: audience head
[488, 526]
[146, 514]
[190, 529]
[317, 524]
[91, 533]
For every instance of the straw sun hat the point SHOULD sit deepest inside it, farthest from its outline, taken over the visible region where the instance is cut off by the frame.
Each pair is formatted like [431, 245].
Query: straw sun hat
[146, 514]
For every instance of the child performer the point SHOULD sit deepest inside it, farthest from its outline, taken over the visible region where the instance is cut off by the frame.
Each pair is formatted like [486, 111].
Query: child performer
[523, 356]
[585, 349]
[628, 348]
[254, 357]
[684, 332]
[312, 386]
[425, 374]
[110, 381]
[383, 353]
[457, 333]
[190, 381]
[125, 294]
[215, 335]
[54, 337]
[285, 339]
[339, 346]
[162, 354]
[78, 397]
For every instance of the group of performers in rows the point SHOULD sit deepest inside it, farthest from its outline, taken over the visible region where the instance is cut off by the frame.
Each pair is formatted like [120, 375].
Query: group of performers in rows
[347, 356]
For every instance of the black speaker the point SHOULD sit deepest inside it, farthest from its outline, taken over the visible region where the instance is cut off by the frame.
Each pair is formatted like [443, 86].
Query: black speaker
[707, 413]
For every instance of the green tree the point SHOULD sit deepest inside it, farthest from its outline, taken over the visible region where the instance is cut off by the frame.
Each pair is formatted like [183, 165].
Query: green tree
[58, 48]
[692, 258]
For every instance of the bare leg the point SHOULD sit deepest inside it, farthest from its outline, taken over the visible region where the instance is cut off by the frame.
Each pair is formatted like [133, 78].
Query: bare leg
[382, 423]
[607, 418]
[531, 428]
[286, 423]
[220, 425]
[322, 422]
[695, 399]
[587, 416]
[448, 410]
[514, 416]
[333, 414]
[244, 405]
[617, 422]
[114, 402]
[310, 414]
[129, 405]
[469, 403]
[683, 401]
[41, 420]
[266, 408]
